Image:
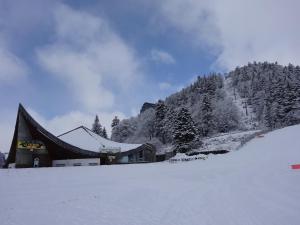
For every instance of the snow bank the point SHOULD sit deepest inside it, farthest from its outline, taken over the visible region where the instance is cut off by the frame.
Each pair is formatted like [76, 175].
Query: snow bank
[253, 186]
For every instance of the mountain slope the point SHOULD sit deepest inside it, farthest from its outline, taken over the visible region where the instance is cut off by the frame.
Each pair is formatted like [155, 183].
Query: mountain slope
[247, 115]
[253, 186]
[256, 96]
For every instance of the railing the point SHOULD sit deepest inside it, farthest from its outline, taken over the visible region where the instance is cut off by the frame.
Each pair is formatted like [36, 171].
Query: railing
[187, 159]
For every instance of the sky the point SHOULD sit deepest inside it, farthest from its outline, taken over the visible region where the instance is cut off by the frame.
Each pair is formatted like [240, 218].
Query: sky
[67, 61]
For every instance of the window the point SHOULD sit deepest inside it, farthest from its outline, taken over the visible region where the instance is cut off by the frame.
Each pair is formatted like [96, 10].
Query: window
[77, 164]
[141, 154]
[93, 164]
[130, 157]
[60, 164]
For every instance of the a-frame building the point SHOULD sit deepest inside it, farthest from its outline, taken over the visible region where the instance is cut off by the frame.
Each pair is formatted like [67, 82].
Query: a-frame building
[34, 146]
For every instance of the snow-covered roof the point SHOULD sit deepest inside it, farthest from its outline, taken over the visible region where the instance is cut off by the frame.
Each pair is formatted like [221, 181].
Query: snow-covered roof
[84, 138]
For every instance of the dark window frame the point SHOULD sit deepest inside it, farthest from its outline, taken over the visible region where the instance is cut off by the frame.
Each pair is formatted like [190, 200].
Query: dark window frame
[141, 154]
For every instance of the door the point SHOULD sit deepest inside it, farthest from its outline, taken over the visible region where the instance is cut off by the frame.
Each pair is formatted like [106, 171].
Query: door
[36, 162]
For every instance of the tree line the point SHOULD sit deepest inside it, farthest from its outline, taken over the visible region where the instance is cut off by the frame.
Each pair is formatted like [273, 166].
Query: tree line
[205, 108]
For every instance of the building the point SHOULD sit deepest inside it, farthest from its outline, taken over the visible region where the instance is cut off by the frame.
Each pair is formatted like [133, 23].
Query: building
[84, 138]
[34, 146]
[2, 159]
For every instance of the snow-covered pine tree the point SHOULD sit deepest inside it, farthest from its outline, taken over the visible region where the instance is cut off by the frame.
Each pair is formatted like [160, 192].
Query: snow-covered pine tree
[124, 130]
[268, 114]
[225, 116]
[206, 124]
[145, 128]
[115, 122]
[290, 102]
[97, 128]
[184, 131]
[159, 123]
[169, 124]
[104, 133]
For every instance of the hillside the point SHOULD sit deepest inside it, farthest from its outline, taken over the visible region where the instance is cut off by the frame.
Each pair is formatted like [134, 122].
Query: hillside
[255, 96]
[253, 186]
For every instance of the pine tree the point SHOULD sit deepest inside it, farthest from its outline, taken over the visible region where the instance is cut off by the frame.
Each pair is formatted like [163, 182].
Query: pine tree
[115, 122]
[207, 118]
[184, 131]
[104, 133]
[268, 114]
[159, 123]
[169, 125]
[97, 128]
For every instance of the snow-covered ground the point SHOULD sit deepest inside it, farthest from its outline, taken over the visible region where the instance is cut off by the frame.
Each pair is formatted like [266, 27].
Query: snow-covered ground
[228, 141]
[252, 186]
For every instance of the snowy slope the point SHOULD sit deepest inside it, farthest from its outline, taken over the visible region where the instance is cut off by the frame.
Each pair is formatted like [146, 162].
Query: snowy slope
[252, 186]
[227, 141]
[246, 118]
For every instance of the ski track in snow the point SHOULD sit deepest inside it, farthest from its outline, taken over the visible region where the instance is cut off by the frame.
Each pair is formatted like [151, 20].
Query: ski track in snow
[238, 101]
[252, 186]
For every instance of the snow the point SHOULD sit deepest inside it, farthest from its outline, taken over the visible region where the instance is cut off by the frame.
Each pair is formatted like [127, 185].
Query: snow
[246, 119]
[84, 138]
[252, 186]
[227, 141]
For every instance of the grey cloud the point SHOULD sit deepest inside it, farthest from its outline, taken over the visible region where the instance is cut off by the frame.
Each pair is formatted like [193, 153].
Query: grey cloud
[236, 31]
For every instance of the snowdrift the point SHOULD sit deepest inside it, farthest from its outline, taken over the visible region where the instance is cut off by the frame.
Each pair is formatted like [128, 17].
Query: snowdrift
[253, 186]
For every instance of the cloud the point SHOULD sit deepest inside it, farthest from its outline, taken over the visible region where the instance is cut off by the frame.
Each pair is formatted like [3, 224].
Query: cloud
[20, 19]
[160, 56]
[164, 86]
[12, 68]
[7, 122]
[269, 34]
[68, 121]
[237, 32]
[90, 58]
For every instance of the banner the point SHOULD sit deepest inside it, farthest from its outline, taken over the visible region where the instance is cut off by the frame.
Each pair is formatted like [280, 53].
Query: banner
[31, 145]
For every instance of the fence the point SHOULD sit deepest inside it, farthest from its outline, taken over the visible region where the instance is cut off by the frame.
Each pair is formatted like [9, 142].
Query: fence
[187, 159]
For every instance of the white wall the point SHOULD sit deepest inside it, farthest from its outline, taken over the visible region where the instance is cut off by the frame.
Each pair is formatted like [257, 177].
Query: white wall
[11, 165]
[76, 162]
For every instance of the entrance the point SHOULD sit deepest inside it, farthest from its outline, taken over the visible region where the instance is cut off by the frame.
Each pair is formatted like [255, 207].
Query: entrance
[36, 162]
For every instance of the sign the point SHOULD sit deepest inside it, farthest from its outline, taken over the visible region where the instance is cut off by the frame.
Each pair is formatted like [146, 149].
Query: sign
[112, 150]
[296, 167]
[31, 145]
[111, 158]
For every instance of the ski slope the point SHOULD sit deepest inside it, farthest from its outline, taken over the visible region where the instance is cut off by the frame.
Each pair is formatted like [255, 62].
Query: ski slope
[252, 186]
[248, 118]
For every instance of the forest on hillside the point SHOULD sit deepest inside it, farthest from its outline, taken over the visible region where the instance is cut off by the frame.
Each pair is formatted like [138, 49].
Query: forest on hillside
[271, 92]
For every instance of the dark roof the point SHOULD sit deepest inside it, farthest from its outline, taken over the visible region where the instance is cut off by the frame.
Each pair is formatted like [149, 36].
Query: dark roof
[42, 133]
[58, 149]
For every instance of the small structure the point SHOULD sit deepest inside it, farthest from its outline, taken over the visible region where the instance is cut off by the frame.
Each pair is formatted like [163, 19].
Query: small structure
[33, 146]
[111, 152]
[2, 159]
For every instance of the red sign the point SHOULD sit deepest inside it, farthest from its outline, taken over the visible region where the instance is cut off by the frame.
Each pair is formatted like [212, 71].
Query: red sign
[296, 167]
